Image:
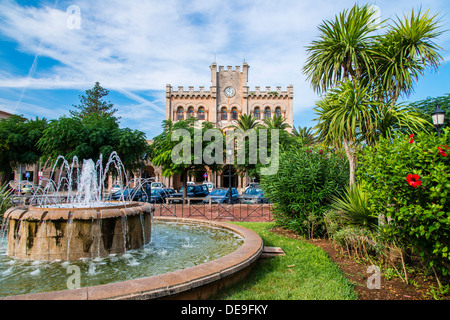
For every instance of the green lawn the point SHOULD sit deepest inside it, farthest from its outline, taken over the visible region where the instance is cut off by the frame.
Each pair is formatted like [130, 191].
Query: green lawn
[302, 274]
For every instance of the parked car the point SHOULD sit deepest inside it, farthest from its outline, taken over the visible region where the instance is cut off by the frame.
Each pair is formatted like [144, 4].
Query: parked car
[220, 195]
[129, 194]
[115, 188]
[253, 195]
[167, 192]
[198, 191]
[24, 186]
[210, 186]
[252, 185]
[159, 195]
[29, 188]
[158, 185]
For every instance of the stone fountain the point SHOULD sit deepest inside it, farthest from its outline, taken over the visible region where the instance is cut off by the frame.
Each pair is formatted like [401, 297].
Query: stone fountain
[69, 225]
[82, 225]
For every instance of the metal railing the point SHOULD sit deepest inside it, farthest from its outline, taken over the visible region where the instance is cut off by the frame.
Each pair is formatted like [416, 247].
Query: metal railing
[189, 208]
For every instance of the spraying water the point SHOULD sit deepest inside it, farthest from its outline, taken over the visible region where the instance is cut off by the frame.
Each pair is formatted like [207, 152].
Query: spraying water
[80, 186]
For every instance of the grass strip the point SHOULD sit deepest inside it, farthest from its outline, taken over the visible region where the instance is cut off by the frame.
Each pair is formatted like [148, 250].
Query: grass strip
[306, 272]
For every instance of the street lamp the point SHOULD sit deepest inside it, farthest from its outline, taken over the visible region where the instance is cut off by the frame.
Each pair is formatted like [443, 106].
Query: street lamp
[438, 117]
[230, 155]
[142, 165]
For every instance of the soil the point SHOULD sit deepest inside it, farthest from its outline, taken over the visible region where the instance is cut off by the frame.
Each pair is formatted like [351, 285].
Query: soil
[356, 272]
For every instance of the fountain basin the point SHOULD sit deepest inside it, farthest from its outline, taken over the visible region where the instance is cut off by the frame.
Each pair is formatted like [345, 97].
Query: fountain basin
[196, 282]
[51, 233]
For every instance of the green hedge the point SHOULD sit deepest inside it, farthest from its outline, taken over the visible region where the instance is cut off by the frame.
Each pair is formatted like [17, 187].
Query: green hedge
[408, 181]
[302, 188]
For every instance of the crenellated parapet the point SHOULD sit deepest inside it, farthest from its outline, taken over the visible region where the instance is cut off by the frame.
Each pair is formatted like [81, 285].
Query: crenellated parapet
[190, 93]
[269, 93]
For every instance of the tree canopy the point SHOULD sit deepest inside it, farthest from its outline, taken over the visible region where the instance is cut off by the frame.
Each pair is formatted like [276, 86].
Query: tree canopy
[93, 103]
[92, 131]
[18, 138]
[186, 134]
[427, 106]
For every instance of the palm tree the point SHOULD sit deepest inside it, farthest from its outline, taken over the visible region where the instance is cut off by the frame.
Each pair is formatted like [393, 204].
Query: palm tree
[347, 118]
[404, 52]
[275, 122]
[369, 72]
[342, 50]
[305, 135]
[350, 116]
[245, 122]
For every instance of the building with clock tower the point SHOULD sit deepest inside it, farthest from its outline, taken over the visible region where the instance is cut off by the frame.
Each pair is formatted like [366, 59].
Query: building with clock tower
[228, 97]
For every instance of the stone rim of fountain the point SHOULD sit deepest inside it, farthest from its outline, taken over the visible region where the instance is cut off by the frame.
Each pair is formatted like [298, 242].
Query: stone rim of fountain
[71, 233]
[34, 213]
[188, 282]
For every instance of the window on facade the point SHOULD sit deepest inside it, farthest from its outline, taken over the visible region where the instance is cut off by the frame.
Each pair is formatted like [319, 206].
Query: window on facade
[267, 114]
[190, 112]
[257, 114]
[180, 114]
[278, 112]
[223, 114]
[234, 114]
[201, 113]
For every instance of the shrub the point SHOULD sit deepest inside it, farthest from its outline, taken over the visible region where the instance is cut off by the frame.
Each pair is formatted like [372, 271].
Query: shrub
[302, 188]
[408, 181]
[353, 208]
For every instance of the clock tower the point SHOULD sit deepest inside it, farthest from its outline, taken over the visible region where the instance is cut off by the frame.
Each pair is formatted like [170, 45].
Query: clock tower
[230, 84]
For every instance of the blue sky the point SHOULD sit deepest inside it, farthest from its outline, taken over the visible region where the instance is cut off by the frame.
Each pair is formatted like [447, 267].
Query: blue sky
[135, 48]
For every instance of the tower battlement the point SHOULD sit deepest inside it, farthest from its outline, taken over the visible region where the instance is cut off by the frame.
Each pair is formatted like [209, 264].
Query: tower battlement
[270, 93]
[180, 92]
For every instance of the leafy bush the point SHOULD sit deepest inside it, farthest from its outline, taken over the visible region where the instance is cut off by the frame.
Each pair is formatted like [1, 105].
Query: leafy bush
[302, 188]
[408, 181]
[353, 208]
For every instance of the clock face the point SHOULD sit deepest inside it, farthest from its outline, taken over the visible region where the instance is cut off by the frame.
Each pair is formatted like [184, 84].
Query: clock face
[229, 91]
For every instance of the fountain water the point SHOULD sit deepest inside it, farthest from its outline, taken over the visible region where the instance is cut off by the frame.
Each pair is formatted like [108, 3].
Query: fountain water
[66, 224]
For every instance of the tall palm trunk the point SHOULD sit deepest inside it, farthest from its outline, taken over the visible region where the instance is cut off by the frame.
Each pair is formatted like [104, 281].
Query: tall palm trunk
[351, 160]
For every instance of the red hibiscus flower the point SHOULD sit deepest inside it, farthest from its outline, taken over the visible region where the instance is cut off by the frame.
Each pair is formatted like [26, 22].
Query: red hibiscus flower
[413, 180]
[411, 140]
[442, 152]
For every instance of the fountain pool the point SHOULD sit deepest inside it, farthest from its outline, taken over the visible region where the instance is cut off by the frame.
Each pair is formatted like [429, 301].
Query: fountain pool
[176, 245]
[113, 248]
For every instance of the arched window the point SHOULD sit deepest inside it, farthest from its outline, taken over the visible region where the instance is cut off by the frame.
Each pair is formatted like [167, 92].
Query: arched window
[267, 114]
[257, 113]
[190, 112]
[234, 113]
[201, 113]
[278, 112]
[223, 114]
[180, 114]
